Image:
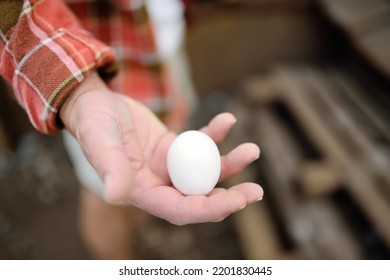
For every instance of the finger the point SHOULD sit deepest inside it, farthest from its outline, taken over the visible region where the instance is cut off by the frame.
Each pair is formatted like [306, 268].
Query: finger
[252, 191]
[169, 204]
[219, 126]
[107, 148]
[160, 155]
[235, 161]
[215, 191]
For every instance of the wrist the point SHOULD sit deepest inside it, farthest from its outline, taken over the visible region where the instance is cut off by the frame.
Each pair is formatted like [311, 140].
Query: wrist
[91, 83]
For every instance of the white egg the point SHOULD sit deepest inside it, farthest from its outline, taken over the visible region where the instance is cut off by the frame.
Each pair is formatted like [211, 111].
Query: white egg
[194, 163]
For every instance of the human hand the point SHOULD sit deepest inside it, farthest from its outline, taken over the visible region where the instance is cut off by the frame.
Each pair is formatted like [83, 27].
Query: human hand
[127, 145]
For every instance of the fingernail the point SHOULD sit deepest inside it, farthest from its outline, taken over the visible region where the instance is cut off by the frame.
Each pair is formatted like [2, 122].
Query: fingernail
[256, 151]
[223, 218]
[243, 206]
[260, 198]
[232, 123]
[233, 119]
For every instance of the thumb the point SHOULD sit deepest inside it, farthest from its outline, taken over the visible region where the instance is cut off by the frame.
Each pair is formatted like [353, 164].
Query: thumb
[112, 148]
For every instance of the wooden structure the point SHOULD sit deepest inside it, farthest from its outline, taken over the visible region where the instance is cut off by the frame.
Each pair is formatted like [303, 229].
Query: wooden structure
[325, 142]
[324, 132]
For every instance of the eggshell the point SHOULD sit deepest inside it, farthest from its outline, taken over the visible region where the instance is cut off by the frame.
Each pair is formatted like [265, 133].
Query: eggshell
[194, 163]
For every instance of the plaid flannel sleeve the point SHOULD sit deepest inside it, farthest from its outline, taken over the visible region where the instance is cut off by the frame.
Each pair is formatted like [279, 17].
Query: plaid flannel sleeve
[45, 56]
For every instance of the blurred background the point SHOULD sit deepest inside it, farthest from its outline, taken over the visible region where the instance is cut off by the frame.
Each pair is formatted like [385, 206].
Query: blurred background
[308, 81]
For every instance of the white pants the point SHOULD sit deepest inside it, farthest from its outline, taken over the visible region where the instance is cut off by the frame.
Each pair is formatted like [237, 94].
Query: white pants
[84, 171]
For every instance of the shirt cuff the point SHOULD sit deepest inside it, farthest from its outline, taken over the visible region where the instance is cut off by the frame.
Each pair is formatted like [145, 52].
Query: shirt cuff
[45, 56]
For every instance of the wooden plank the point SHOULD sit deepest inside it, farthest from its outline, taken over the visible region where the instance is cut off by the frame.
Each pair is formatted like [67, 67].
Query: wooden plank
[259, 237]
[350, 126]
[283, 167]
[254, 226]
[256, 230]
[316, 178]
[319, 178]
[282, 158]
[362, 186]
[315, 226]
[321, 228]
[257, 234]
[376, 48]
[362, 100]
[359, 17]
[260, 90]
[282, 161]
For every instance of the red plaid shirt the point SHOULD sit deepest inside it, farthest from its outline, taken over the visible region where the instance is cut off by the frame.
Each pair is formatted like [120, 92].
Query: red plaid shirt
[51, 50]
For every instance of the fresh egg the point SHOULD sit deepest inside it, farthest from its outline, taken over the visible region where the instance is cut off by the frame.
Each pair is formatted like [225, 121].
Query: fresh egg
[194, 163]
